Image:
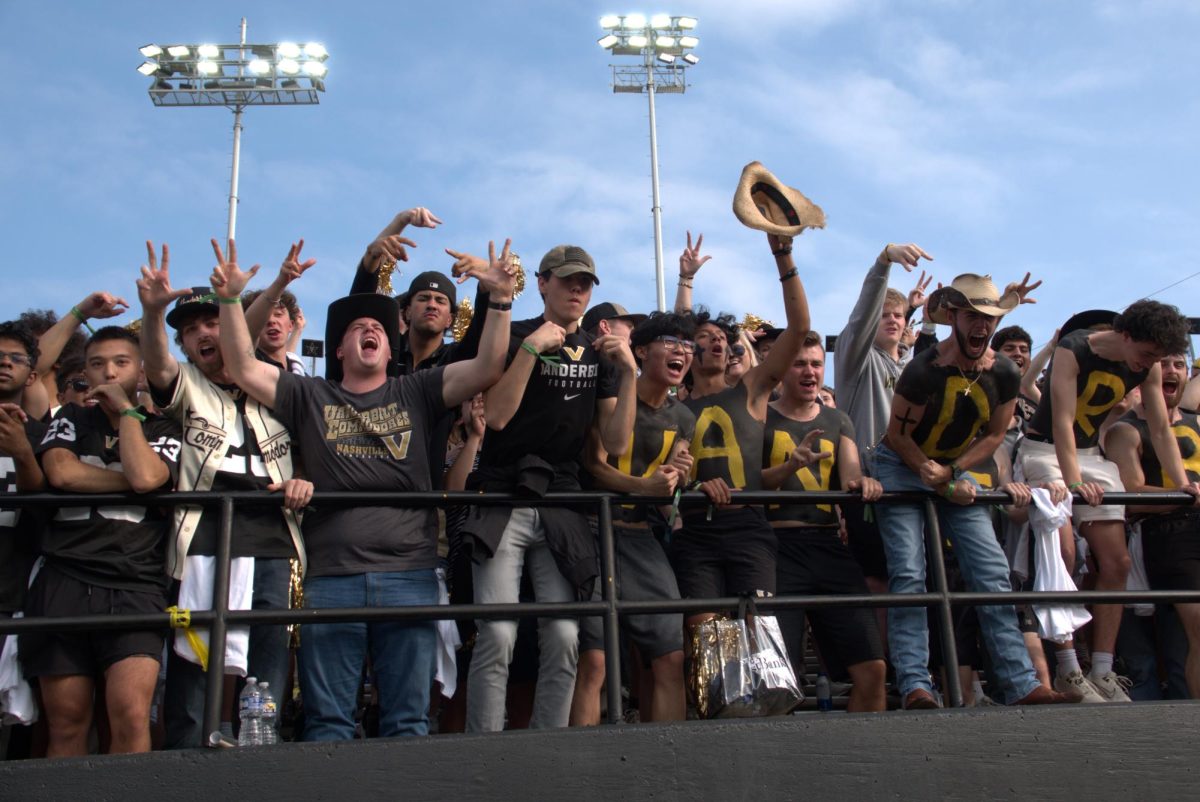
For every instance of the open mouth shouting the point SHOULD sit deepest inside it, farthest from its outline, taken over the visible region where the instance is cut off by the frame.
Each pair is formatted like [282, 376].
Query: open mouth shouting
[207, 350]
[370, 344]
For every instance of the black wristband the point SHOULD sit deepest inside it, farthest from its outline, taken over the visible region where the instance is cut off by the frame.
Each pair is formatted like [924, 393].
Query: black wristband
[500, 307]
[790, 274]
[782, 251]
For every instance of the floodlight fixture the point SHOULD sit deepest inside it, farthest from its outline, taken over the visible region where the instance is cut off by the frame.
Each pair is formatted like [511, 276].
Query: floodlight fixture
[637, 40]
[608, 40]
[609, 21]
[660, 21]
[691, 58]
[688, 41]
[634, 21]
[666, 58]
[687, 23]
[235, 76]
[664, 41]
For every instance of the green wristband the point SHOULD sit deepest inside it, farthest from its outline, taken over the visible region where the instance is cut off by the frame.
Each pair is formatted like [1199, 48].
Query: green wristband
[235, 300]
[527, 347]
[950, 489]
[133, 412]
[75, 311]
[549, 360]
[1074, 485]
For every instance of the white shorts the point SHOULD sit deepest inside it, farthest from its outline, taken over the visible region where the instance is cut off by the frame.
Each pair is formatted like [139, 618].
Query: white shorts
[1039, 463]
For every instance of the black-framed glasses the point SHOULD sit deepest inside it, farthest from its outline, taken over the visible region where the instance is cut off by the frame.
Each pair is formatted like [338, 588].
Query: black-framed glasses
[79, 385]
[676, 344]
[16, 357]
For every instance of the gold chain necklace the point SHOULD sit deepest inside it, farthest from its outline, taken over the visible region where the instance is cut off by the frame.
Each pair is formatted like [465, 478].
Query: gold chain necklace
[967, 390]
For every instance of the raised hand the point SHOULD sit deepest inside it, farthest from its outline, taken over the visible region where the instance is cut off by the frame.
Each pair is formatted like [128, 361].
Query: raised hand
[389, 248]
[547, 337]
[418, 216]
[906, 255]
[101, 305]
[292, 268]
[1023, 288]
[690, 261]
[228, 280]
[916, 296]
[497, 275]
[154, 287]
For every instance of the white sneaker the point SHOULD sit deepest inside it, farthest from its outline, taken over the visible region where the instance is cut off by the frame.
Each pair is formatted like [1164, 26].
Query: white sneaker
[1077, 684]
[1112, 686]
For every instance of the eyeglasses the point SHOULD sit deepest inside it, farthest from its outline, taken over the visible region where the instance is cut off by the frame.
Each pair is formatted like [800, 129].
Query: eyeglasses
[675, 344]
[79, 385]
[16, 358]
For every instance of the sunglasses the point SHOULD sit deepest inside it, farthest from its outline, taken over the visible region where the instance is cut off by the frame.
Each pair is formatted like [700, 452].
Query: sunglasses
[16, 358]
[737, 349]
[79, 385]
[675, 344]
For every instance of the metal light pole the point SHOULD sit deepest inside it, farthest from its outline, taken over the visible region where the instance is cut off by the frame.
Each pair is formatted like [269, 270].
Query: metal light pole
[235, 76]
[664, 44]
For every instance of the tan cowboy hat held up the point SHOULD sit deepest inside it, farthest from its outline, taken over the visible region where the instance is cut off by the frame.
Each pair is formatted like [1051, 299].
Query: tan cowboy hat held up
[970, 291]
[763, 202]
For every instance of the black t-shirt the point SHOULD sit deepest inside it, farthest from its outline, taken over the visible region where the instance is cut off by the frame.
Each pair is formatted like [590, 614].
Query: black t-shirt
[121, 547]
[958, 405]
[1187, 435]
[1100, 386]
[782, 436]
[19, 529]
[728, 441]
[655, 432]
[258, 531]
[558, 404]
[379, 440]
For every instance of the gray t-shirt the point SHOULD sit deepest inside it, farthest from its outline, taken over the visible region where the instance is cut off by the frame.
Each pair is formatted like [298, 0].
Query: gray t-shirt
[380, 440]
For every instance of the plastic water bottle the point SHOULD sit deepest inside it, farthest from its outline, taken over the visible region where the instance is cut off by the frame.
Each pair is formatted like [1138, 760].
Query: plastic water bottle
[824, 693]
[250, 714]
[269, 715]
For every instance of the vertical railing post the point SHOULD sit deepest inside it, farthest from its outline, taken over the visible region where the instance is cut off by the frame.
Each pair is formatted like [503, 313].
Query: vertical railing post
[612, 643]
[215, 691]
[933, 548]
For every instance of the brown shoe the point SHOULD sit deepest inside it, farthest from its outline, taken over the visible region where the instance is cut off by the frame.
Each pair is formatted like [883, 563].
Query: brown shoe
[920, 699]
[1041, 695]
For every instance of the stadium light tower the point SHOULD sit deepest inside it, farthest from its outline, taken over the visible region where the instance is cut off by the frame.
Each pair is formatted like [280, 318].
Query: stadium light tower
[664, 45]
[235, 76]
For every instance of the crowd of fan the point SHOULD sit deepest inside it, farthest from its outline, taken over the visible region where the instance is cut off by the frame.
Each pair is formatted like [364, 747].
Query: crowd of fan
[586, 395]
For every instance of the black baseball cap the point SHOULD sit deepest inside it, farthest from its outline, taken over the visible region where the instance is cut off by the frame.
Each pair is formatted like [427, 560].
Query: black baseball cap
[429, 280]
[201, 300]
[608, 311]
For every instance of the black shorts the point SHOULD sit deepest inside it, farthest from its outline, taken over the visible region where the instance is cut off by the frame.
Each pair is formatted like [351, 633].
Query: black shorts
[866, 544]
[643, 574]
[812, 560]
[1171, 551]
[91, 652]
[731, 555]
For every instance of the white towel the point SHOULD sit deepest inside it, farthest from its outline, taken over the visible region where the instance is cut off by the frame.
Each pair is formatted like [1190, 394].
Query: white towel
[448, 644]
[1137, 579]
[1055, 623]
[196, 593]
[17, 703]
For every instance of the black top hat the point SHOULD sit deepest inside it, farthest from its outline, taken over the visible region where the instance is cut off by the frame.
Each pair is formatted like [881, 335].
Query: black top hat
[345, 311]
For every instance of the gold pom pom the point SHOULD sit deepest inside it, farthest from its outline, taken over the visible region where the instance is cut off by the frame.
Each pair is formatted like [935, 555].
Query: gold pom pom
[519, 276]
[386, 267]
[752, 322]
[462, 319]
[134, 326]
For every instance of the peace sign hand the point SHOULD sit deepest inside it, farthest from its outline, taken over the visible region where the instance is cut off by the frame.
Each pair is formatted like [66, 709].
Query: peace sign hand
[1023, 289]
[916, 296]
[690, 261]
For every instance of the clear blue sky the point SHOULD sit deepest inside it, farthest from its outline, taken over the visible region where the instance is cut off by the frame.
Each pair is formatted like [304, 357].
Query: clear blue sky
[1057, 137]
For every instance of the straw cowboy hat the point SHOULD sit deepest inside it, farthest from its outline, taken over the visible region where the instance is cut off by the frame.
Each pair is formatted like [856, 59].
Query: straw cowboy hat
[970, 291]
[763, 202]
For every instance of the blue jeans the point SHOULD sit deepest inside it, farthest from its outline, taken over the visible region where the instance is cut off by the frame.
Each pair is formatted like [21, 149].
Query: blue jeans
[183, 699]
[984, 569]
[402, 655]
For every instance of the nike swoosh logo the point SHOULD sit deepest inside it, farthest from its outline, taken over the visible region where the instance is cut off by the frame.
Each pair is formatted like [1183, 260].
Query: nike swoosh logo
[569, 397]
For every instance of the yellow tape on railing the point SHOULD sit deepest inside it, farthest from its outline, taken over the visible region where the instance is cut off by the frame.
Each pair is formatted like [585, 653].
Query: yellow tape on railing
[182, 619]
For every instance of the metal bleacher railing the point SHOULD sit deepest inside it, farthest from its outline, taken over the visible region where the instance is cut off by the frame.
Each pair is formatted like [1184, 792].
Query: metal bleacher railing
[940, 598]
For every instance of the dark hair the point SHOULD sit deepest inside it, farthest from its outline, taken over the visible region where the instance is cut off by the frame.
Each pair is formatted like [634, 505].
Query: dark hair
[17, 330]
[660, 324]
[286, 300]
[66, 369]
[723, 321]
[1157, 323]
[112, 333]
[1010, 334]
[39, 321]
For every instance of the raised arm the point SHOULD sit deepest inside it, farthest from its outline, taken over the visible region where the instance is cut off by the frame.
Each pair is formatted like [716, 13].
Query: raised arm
[690, 262]
[1029, 386]
[762, 379]
[260, 311]
[855, 341]
[257, 378]
[156, 294]
[462, 380]
[293, 342]
[389, 246]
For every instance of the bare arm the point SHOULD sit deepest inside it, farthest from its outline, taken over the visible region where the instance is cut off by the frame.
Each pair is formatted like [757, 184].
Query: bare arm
[503, 399]
[690, 262]
[1029, 386]
[293, 342]
[462, 380]
[660, 483]
[1123, 445]
[64, 471]
[1165, 446]
[1062, 395]
[615, 416]
[257, 378]
[762, 379]
[155, 294]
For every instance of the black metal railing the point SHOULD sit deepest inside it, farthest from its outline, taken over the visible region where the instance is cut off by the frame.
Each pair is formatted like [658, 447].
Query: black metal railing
[610, 608]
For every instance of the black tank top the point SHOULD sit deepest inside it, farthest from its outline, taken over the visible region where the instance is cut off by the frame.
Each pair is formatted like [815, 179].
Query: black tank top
[1187, 435]
[728, 441]
[1100, 386]
[654, 434]
[782, 436]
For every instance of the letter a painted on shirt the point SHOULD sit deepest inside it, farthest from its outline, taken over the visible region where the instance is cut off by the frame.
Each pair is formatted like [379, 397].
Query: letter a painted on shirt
[728, 447]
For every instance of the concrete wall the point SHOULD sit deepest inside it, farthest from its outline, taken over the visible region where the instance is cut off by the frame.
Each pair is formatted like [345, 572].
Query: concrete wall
[1123, 752]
